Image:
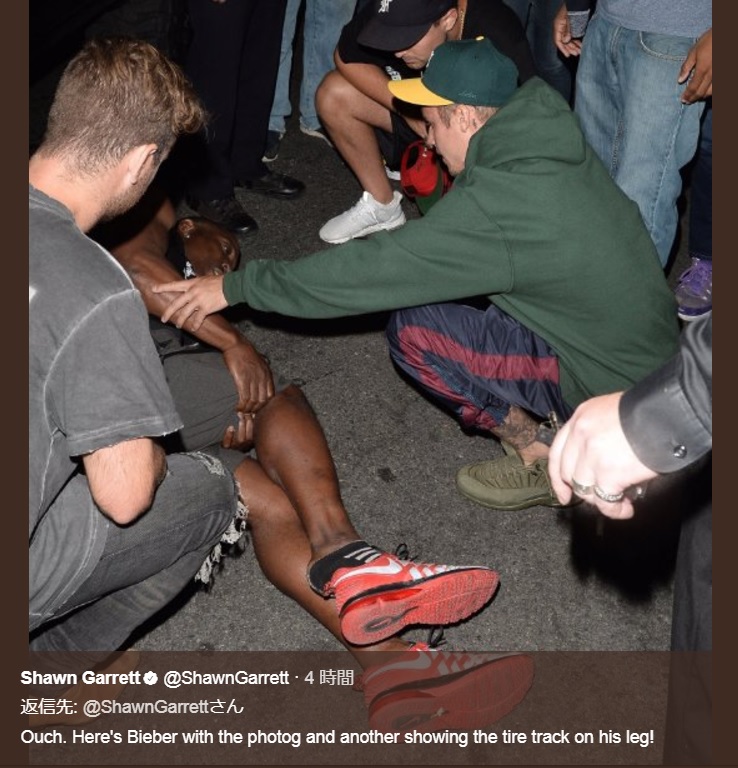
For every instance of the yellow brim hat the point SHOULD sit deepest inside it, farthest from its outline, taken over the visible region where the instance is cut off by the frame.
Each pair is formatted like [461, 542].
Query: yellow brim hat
[461, 72]
[413, 91]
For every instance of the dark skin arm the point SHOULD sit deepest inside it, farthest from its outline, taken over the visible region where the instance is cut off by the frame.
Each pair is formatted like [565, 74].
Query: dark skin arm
[143, 257]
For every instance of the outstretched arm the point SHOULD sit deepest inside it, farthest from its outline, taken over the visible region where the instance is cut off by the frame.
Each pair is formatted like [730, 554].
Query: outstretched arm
[189, 302]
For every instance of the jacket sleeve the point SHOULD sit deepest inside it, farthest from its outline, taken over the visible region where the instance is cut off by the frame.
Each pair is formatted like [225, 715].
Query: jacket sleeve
[667, 417]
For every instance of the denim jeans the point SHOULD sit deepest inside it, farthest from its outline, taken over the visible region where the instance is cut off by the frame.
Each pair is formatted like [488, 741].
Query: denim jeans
[324, 20]
[628, 103]
[146, 564]
[537, 17]
[700, 203]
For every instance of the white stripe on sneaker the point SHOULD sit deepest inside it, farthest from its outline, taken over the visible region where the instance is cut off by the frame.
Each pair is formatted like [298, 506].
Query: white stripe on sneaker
[390, 569]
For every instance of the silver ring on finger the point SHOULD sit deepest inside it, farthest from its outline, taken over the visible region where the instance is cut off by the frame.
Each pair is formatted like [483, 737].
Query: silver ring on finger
[580, 489]
[610, 498]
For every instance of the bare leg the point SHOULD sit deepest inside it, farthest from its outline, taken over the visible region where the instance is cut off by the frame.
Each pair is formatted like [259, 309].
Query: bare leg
[520, 431]
[297, 517]
[292, 449]
[350, 118]
[283, 551]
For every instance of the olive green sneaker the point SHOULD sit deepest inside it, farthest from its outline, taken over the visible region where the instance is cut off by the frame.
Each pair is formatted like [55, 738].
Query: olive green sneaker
[507, 483]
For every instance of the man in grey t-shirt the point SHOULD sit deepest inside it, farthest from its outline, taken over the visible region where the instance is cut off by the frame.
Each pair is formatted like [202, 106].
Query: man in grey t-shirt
[100, 484]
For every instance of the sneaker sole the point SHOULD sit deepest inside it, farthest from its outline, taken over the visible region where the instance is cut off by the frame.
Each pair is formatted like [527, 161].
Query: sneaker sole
[364, 232]
[438, 601]
[465, 701]
[316, 135]
[691, 318]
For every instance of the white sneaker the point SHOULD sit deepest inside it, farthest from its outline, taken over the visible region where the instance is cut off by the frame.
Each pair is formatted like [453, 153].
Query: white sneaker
[392, 175]
[365, 217]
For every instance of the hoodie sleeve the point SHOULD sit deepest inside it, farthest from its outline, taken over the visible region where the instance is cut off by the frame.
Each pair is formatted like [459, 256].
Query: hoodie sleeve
[453, 252]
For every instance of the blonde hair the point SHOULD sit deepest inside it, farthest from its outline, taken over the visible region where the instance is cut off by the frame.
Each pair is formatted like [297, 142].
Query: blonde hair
[483, 113]
[114, 95]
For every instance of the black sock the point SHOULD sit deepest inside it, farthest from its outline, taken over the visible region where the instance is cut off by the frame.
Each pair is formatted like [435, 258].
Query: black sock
[348, 556]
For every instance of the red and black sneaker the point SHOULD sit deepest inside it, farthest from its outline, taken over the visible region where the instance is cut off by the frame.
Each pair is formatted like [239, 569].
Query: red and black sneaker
[428, 690]
[387, 594]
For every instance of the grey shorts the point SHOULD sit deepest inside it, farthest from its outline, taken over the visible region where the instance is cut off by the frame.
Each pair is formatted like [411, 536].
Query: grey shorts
[205, 396]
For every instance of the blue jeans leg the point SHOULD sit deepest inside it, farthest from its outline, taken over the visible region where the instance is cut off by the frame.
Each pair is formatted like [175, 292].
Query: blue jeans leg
[324, 20]
[281, 107]
[537, 17]
[628, 103]
[700, 204]
[146, 564]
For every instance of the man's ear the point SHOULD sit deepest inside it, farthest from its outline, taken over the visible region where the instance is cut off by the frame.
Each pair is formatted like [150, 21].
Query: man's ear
[463, 113]
[449, 19]
[138, 160]
[185, 227]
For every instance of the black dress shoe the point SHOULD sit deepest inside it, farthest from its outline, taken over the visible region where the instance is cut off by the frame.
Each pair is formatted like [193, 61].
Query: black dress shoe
[274, 184]
[227, 212]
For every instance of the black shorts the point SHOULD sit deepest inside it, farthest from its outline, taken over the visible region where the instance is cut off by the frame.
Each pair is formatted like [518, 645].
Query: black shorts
[393, 144]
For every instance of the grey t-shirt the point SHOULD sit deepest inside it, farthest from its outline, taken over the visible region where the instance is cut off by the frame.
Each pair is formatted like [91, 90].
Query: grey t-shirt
[681, 18]
[94, 380]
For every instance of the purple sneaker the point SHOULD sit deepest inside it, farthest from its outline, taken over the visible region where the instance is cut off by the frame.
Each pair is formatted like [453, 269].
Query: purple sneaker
[694, 290]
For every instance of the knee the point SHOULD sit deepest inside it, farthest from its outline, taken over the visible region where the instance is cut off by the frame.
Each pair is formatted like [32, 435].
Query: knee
[401, 339]
[289, 397]
[333, 98]
[212, 488]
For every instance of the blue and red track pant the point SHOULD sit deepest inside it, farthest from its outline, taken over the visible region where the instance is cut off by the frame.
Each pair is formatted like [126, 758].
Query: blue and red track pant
[477, 363]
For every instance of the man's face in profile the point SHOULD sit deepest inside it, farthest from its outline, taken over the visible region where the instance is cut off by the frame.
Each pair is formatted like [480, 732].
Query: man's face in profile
[417, 55]
[446, 134]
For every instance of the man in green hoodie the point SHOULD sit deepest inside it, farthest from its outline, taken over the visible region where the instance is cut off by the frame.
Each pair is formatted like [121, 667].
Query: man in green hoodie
[577, 303]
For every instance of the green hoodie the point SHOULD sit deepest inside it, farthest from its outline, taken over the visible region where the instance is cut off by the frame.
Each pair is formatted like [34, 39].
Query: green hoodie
[535, 223]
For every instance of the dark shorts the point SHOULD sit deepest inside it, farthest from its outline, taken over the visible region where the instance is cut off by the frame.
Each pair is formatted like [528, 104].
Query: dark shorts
[393, 144]
[206, 397]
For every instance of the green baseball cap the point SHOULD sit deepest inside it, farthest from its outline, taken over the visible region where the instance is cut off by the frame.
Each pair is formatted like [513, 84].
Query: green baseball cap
[461, 72]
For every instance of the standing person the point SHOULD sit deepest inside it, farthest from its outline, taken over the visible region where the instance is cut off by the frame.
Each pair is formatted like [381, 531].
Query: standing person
[644, 72]
[694, 285]
[232, 60]
[370, 129]
[661, 425]
[324, 20]
[537, 17]
[533, 222]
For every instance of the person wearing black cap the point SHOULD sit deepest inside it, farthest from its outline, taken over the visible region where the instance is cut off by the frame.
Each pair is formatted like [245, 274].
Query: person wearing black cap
[394, 39]
[576, 302]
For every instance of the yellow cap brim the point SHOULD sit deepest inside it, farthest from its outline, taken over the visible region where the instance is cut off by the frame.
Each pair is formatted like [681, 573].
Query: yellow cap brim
[413, 91]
